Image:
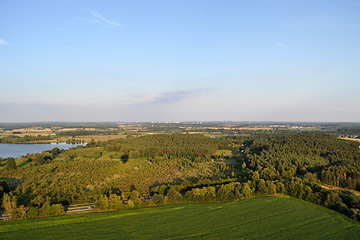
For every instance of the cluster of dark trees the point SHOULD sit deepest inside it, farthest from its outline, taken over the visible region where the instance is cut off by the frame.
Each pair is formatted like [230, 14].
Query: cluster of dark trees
[4, 188]
[122, 173]
[42, 158]
[74, 141]
[10, 163]
[324, 157]
[18, 212]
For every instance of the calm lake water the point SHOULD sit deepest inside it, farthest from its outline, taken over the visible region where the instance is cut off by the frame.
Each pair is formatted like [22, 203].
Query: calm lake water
[18, 150]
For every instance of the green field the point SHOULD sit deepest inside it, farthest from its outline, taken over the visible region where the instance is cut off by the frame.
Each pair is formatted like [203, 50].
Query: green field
[262, 218]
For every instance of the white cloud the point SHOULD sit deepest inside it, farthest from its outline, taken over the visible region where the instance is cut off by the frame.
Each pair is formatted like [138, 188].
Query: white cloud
[3, 42]
[99, 18]
[280, 45]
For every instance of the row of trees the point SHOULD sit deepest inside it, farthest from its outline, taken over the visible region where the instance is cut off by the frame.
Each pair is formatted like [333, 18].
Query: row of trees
[25, 139]
[18, 212]
[74, 133]
[306, 190]
[296, 187]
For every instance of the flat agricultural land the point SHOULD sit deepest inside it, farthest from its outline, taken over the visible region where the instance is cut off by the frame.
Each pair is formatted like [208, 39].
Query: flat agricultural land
[277, 217]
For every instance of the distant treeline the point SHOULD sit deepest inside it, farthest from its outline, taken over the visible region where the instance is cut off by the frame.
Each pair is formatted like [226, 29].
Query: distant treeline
[100, 125]
[24, 139]
[74, 133]
[348, 131]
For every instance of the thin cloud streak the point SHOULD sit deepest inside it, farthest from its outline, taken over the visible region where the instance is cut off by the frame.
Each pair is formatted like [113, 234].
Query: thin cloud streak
[3, 42]
[103, 19]
[170, 97]
[163, 99]
[99, 19]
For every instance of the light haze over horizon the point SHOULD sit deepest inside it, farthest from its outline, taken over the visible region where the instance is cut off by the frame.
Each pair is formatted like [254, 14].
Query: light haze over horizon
[204, 60]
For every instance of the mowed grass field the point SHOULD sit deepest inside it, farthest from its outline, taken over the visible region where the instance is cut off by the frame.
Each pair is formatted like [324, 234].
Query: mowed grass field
[275, 217]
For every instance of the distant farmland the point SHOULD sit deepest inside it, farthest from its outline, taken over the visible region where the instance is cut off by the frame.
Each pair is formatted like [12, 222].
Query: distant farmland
[262, 218]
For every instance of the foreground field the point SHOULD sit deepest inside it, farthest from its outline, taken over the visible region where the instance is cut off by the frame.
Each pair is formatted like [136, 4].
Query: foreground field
[263, 218]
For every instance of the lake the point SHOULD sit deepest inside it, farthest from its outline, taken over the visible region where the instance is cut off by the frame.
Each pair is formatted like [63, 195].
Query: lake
[18, 150]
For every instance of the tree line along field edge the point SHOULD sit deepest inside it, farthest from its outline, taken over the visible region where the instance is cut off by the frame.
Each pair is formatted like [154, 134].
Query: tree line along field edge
[275, 217]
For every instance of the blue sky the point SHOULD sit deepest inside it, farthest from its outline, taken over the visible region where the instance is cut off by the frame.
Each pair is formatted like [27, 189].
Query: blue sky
[198, 60]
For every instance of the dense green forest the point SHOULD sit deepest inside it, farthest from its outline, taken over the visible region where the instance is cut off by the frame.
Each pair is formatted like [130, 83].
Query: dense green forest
[169, 168]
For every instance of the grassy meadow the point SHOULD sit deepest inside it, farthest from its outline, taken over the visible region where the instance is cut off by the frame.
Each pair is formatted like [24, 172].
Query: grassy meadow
[276, 217]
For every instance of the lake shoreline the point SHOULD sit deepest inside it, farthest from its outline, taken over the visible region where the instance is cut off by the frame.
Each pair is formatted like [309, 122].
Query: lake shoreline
[17, 150]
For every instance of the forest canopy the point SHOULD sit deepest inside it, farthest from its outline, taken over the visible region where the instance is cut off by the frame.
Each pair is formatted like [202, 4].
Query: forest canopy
[140, 171]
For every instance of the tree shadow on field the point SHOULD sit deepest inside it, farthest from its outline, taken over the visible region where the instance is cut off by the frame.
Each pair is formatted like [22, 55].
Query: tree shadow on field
[124, 158]
[13, 182]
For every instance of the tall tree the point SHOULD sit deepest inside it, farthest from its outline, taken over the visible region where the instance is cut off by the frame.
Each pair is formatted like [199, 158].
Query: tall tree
[10, 205]
[10, 163]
